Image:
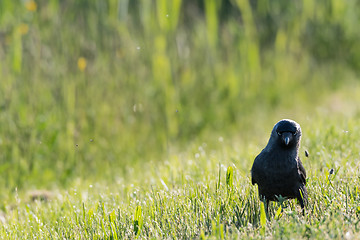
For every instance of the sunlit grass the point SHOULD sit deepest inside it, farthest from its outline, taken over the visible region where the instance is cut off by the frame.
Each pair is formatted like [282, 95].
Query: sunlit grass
[191, 194]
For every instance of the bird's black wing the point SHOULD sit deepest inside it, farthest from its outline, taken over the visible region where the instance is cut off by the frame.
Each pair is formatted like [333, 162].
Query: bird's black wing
[253, 181]
[302, 171]
[256, 168]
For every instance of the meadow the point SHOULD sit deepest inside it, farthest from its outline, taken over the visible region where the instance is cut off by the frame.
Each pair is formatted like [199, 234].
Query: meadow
[140, 119]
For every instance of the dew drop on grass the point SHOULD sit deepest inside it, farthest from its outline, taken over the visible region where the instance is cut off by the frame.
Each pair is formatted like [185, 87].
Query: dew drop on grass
[223, 167]
[197, 155]
[138, 48]
[167, 15]
[221, 139]
[348, 235]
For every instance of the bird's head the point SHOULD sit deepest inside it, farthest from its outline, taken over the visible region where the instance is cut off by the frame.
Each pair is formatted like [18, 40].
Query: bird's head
[287, 133]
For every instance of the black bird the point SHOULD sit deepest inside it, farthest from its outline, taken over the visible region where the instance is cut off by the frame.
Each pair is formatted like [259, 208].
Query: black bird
[277, 170]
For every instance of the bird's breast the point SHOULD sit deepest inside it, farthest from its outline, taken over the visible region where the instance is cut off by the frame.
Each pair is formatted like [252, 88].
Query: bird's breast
[281, 162]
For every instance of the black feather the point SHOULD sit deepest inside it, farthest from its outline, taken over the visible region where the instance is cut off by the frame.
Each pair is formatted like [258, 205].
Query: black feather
[278, 170]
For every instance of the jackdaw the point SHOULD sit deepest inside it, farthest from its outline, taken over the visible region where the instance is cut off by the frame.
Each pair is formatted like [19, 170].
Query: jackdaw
[277, 170]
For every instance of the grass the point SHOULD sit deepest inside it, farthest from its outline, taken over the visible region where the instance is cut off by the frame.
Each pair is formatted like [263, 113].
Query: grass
[204, 191]
[124, 119]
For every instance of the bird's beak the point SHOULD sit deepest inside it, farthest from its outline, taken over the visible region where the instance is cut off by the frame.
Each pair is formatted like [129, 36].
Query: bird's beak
[286, 140]
[287, 137]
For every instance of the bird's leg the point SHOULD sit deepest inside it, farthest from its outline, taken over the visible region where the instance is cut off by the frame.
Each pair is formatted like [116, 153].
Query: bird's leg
[266, 203]
[281, 200]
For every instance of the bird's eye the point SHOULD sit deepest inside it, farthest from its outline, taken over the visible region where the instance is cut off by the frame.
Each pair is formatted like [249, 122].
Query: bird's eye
[294, 133]
[279, 133]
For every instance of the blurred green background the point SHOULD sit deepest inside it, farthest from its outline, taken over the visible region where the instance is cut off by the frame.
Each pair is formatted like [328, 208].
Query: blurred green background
[93, 89]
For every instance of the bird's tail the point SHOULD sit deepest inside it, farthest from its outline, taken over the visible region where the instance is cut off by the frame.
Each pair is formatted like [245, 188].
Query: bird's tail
[303, 196]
